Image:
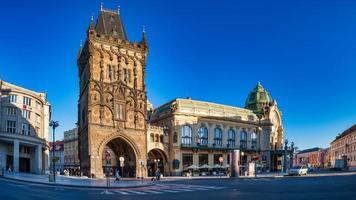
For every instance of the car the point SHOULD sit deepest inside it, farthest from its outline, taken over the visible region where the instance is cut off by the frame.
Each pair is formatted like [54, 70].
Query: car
[298, 170]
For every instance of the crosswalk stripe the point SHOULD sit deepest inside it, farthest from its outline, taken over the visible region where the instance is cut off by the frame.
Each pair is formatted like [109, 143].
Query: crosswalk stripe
[171, 191]
[135, 192]
[201, 189]
[153, 192]
[121, 192]
[184, 190]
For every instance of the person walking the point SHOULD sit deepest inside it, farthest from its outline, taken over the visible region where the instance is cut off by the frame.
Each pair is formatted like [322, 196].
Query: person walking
[158, 174]
[117, 176]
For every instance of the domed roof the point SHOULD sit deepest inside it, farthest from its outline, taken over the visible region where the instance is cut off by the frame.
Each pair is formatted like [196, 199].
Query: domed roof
[258, 99]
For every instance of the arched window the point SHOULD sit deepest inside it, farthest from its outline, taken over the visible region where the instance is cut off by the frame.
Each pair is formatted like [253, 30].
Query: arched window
[152, 137]
[254, 141]
[203, 135]
[243, 140]
[186, 135]
[156, 138]
[231, 138]
[218, 136]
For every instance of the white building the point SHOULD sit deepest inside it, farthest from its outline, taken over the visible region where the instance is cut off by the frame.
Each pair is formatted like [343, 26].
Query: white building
[24, 120]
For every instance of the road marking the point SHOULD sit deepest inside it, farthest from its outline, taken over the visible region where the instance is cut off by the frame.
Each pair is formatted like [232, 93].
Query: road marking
[184, 190]
[121, 192]
[153, 192]
[106, 192]
[135, 192]
[171, 191]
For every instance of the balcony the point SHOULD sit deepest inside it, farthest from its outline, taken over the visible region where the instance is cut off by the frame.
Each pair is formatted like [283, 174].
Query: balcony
[209, 147]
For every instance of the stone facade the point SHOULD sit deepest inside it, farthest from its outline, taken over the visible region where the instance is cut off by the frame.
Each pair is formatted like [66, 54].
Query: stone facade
[24, 120]
[205, 131]
[112, 103]
[71, 159]
[344, 148]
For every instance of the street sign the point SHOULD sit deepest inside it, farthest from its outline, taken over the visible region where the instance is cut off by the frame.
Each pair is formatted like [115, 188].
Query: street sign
[121, 164]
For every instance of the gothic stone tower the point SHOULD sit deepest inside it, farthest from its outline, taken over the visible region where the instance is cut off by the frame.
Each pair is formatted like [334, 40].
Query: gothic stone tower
[112, 100]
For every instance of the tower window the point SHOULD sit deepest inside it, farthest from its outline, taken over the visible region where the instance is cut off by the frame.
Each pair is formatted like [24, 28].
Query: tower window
[110, 73]
[119, 110]
[127, 75]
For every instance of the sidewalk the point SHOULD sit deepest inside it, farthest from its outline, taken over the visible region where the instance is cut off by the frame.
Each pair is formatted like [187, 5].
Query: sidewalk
[74, 181]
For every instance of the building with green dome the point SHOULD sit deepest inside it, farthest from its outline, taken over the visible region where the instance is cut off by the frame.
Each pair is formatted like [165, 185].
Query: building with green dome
[198, 133]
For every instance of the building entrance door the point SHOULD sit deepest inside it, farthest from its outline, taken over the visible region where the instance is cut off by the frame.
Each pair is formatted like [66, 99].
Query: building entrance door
[25, 165]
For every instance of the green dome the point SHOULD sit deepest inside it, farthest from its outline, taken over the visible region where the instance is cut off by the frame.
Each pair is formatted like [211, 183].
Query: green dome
[258, 99]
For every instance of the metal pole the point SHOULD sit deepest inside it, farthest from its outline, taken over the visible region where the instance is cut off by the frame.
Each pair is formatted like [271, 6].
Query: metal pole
[53, 149]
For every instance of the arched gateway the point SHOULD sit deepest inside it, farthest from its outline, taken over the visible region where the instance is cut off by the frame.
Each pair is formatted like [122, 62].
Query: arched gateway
[111, 154]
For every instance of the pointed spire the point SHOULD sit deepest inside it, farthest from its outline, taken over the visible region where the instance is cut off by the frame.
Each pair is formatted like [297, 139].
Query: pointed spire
[144, 38]
[91, 25]
[101, 6]
[118, 10]
[80, 48]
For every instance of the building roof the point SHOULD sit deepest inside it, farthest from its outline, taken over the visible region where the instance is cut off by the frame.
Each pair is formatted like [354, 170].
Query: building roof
[109, 23]
[345, 133]
[203, 109]
[311, 150]
[258, 99]
[58, 144]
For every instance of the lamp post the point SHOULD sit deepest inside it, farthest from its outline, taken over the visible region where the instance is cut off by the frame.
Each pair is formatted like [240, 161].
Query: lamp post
[157, 161]
[285, 156]
[122, 160]
[54, 125]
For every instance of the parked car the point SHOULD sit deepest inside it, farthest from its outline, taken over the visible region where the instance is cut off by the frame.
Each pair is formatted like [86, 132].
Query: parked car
[298, 170]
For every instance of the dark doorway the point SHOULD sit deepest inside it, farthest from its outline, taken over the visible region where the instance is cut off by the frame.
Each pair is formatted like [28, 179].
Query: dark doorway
[115, 149]
[25, 165]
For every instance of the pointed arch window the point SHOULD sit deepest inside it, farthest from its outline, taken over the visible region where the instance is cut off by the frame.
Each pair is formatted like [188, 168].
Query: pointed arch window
[186, 135]
[203, 135]
[218, 136]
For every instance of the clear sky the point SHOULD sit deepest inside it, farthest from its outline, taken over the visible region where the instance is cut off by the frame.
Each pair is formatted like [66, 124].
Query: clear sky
[303, 52]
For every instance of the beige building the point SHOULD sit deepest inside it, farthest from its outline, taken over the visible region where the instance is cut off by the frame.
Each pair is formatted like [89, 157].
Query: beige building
[343, 148]
[116, 121]
[71, 159]
[24, 120]
[199, 133]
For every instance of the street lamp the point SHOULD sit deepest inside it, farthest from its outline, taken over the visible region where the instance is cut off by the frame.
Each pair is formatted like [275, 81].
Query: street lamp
[285, 156]
[122, 160]
[157, 161]
[54, 125]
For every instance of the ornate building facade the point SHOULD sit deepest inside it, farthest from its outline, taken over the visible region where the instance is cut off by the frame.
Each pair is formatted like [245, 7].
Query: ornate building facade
[112, 103]
[116, 120]
[24, 122]
[199, 133]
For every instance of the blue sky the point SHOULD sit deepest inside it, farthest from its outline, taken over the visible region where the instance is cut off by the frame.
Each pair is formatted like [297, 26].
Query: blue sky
[303, 52]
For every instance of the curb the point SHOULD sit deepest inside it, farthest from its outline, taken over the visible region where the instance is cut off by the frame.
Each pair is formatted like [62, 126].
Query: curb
[77, 186]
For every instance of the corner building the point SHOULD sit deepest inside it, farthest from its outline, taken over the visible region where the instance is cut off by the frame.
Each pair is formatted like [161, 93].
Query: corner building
[24, 122]
[112, 101]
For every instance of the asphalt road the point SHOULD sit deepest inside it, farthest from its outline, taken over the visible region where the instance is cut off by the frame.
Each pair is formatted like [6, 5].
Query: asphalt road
[330, 187]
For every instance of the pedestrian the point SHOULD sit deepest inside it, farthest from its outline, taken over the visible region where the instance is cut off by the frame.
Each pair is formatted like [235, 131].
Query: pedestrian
[158, 174]
[117, 176]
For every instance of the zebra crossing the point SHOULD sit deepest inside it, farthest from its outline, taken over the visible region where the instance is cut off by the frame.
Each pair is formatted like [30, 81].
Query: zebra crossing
[160, 189]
